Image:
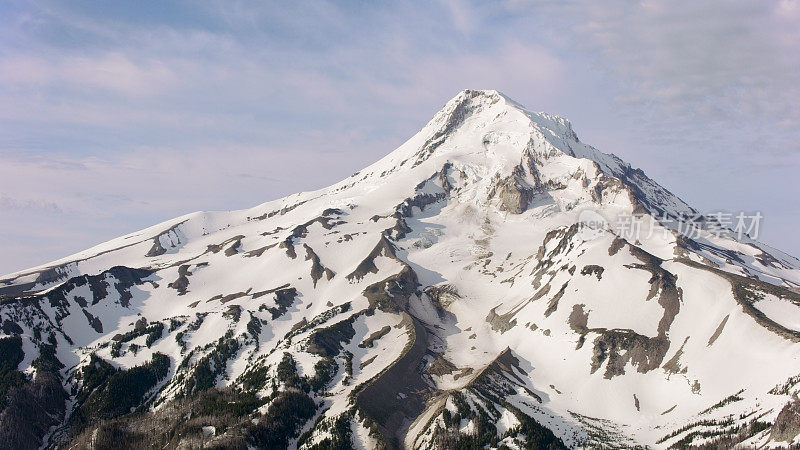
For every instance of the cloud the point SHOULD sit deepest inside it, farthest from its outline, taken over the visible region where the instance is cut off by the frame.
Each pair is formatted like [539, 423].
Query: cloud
[112, 72]
[153, 84]
[126, 117]
[461, 16]
[733, 60]
[169, 181]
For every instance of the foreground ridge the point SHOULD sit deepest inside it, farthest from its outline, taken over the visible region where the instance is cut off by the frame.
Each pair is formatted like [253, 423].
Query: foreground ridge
[452, 294]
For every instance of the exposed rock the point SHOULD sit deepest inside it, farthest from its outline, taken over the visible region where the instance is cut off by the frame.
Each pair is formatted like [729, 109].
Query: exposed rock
[406, 209]
[398, 231]
[230, 297]
[259, 251]
[181, 284]
[367, 343]
[787, 424]
[593, 269]
[393, 293]
[11, 328]
[328, 341]
[289, 247]
[578, 319]
[673, 366]
[234, 248]
[140, 324]
[379, 399]
[616, 245]
[441, 366]
[158, 249]
[514, 194]
[620, 347]
[367, 362]
[718, 331]
[442, 295]
[317, 269]
[383, 248]
[269, 291]
[501, 323]
[553, 304]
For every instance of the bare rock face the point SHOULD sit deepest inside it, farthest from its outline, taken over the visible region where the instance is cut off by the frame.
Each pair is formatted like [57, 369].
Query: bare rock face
[787, 424]
[514, 195]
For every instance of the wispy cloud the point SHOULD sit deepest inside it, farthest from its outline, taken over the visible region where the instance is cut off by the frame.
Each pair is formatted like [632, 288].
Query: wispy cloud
[112, 72]
[124, 115]
[728, 61]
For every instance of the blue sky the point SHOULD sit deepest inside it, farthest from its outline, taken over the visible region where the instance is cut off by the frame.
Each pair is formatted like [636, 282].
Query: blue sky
[117, 115]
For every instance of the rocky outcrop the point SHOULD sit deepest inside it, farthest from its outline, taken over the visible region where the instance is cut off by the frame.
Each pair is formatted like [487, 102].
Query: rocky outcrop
[328, 341]
[406, 209]
[618, 348]
[158, 248]
[317, 269]
[442, 295]
[513, 194]
[787, 424]
[181, 284]
[398, 394]
[367, 265]
[392, 294]
[482, 403]
[501, 322]
[593, 269]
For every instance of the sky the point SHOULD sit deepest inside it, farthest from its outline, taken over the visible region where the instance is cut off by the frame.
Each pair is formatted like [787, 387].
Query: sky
[117, 115]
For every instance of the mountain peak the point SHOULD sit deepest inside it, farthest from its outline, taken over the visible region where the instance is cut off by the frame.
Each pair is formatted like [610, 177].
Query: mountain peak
[489, 148]
[487, 97]
[479, 95]
[485, 115]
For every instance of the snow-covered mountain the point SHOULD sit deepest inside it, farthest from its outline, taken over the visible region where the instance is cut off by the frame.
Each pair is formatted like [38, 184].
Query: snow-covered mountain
[454, 293]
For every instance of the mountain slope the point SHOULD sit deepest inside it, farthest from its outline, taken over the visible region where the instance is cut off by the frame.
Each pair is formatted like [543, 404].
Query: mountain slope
[450, 293]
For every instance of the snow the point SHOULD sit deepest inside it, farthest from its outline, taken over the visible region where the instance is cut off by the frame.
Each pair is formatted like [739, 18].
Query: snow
[506, 422]
[781, 311]
[488, 255]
